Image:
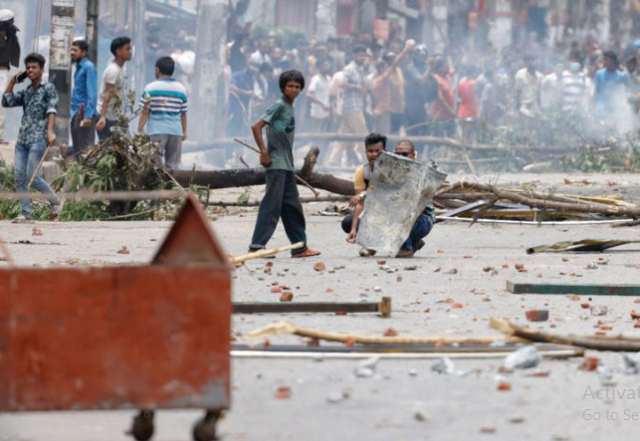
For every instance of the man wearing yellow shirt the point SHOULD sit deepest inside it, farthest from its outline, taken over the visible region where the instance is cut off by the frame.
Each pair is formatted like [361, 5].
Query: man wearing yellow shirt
[374, 143]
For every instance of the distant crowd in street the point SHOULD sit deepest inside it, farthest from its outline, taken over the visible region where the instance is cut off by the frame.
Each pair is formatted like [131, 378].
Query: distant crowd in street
[357, 85]
[354, 86]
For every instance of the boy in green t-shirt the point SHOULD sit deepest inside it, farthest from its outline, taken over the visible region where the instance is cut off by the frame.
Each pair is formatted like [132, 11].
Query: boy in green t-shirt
[281, 199]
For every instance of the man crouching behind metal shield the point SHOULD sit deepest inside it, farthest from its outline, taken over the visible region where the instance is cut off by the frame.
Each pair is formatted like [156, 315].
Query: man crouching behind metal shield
[401, 189]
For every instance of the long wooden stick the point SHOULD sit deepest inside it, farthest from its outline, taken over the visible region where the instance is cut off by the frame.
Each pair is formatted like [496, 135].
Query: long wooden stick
[302, 181]
[264, 253]
[391, 139]
[35, 173]
[598, 343]
[288, 328]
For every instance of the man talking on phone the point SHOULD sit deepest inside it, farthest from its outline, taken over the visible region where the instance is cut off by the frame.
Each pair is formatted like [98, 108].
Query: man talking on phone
[39, 101]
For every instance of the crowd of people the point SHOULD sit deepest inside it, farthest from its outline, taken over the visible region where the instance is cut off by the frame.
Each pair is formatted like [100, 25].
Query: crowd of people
[358, 85]
[354, 86]
[96, 108]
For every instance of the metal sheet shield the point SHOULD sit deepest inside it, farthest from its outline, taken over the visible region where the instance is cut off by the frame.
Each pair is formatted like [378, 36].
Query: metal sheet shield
[399, 192]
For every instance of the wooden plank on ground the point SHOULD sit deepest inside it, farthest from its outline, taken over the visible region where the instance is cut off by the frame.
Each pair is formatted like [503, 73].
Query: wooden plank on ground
[383, 307]
[584, 289]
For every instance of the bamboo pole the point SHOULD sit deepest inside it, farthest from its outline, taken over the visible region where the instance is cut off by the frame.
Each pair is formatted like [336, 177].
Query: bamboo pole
[431, 140]
[621, 343]
[282, 328]
[264, 253]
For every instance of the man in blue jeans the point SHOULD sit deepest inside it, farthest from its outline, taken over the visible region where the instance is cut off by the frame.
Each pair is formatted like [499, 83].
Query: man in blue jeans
[424, 224]
[40, 105]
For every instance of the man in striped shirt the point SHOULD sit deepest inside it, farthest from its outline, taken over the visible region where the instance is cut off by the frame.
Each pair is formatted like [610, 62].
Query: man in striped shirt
[164, 103]
[575, 89]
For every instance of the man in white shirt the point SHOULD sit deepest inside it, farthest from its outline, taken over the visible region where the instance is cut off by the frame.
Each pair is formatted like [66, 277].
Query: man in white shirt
[111, 99]
[527, 88]
[318, 95]
[551, 89]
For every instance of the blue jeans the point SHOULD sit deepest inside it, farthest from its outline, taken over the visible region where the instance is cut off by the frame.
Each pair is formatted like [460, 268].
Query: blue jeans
[421, 229]
[27, 158]
[281, 200]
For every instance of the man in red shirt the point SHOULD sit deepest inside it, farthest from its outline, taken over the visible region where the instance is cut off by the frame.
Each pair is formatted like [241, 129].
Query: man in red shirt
[468, 110]
[444, 113]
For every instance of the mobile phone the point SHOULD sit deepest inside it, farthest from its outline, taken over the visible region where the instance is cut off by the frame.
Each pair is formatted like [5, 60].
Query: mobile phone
[21, 77]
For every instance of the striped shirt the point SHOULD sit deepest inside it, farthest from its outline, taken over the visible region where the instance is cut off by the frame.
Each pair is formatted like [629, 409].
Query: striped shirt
[575, 92]
[352, 100]
[167, 103]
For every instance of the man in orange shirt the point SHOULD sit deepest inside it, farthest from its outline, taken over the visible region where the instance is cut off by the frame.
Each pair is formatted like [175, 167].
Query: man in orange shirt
[388, 91]
[444, 113]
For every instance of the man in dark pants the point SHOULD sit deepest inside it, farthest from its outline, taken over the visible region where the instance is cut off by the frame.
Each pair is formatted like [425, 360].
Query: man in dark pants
[112, 98]
[83, 100]
[281, 199]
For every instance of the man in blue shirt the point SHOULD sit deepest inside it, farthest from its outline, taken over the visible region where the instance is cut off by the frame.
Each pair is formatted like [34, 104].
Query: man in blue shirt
[241, 93]
[39, 102]
[610, 82]
[83, 100]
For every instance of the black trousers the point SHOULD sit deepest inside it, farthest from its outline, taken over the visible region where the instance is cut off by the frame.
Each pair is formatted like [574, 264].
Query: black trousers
[81, 137]
[106, 132]
[280, 201]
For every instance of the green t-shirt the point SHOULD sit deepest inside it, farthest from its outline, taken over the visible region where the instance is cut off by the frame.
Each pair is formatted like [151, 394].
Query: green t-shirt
[282, 125]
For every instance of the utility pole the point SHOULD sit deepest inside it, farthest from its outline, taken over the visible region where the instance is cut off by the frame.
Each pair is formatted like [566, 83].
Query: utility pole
[210, 61]
[139, 43]
[62, 30]
[93, 9]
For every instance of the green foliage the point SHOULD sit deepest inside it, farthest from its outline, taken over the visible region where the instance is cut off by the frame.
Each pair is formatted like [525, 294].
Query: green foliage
[244, 197]
[121, 163]
[11, 208]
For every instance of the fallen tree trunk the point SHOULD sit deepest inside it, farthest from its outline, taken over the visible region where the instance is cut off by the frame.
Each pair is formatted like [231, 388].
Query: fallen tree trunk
[254, 176]
[248, 177]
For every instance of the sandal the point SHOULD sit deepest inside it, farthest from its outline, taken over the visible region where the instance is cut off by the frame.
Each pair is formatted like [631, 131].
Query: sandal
[402, 254]
[306, 253]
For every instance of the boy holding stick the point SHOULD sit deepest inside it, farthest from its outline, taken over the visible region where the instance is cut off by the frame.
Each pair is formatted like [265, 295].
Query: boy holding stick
[281, 199]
